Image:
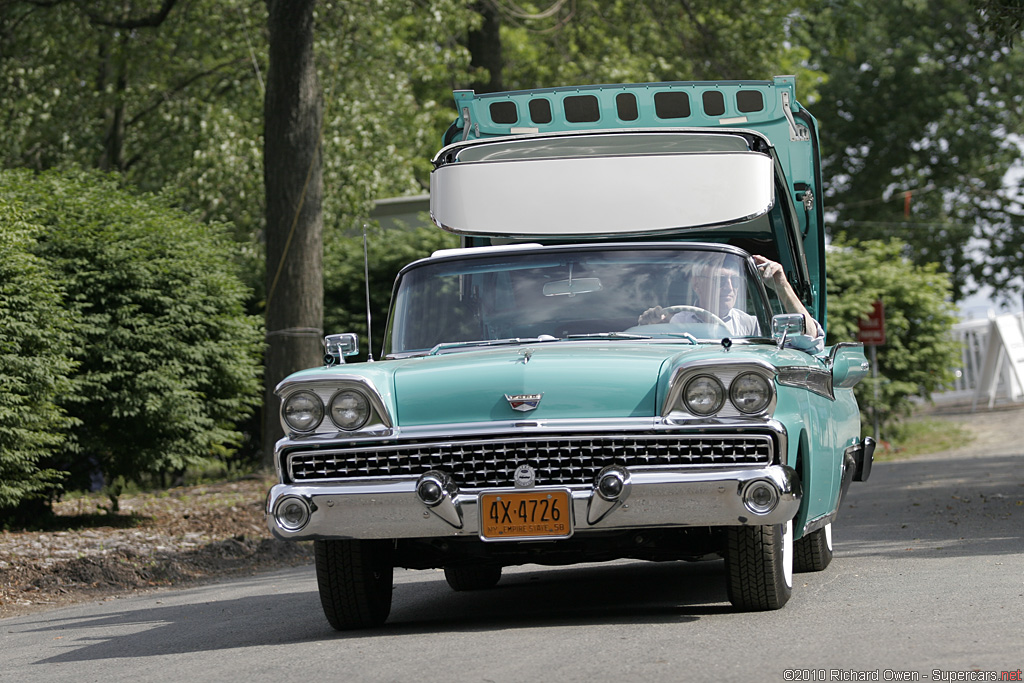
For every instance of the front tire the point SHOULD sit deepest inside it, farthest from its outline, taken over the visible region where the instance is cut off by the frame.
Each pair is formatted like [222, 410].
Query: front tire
[759, 566]
[472, 577]
[814, 550]
[355, 582]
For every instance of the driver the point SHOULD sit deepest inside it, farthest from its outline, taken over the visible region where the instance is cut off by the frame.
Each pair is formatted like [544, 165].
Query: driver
[718, 285]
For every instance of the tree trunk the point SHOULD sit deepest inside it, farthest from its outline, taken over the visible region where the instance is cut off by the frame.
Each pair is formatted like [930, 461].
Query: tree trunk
[114, 64]
[293, 182]
[485, 48]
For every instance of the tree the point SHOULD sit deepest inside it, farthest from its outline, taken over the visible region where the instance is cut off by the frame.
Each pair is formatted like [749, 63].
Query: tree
[654, 40]
[293, 187]
[917, 120]
[35, 363]
[919, 353]
[484, 45]
[167, 360]
[187, 90]
[1002, 18]
[169, 96]
[344, 280]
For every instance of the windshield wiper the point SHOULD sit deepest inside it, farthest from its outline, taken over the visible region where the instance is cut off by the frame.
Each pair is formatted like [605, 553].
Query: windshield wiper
[491, 342]
[515, 341]
[626, 335]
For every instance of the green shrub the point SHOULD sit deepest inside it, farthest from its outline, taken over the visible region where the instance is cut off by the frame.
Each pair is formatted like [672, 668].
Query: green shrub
[919, 353]
[168, 362]
[35, 363]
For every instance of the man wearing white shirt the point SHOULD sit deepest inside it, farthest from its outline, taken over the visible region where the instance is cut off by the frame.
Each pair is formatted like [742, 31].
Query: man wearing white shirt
[718, 287]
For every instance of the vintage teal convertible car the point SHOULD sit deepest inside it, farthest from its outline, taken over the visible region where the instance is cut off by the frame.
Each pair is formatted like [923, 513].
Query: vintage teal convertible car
[529, 408]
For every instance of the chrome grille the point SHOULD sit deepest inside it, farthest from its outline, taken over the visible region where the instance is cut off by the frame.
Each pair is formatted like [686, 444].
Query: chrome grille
[558, 460]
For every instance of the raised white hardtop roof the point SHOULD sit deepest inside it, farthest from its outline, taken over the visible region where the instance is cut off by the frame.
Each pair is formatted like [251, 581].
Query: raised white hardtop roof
[603, 184]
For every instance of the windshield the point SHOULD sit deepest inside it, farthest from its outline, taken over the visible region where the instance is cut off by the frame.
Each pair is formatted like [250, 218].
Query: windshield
[685, 293]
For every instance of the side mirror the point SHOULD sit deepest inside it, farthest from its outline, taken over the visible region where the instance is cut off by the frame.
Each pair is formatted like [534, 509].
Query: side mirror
[848, 363]
[337, 347]
[786, 325]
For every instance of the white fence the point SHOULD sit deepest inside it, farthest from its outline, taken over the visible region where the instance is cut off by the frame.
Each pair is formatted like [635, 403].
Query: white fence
[991, 354]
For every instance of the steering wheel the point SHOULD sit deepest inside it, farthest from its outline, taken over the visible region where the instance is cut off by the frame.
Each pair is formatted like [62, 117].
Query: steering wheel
[701, 314]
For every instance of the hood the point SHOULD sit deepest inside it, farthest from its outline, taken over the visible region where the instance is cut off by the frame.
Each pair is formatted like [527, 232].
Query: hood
[575, 380]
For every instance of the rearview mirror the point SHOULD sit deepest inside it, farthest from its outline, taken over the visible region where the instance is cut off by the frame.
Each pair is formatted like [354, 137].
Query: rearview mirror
[581, 285]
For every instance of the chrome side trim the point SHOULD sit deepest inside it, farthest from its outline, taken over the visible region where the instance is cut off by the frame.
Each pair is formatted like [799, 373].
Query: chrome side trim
[811, 379]
[819, 523]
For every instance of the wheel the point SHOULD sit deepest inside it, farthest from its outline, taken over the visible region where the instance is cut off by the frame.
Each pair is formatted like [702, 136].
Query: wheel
[759, 566]
[813, 552]
[472, 577]
[355, 582]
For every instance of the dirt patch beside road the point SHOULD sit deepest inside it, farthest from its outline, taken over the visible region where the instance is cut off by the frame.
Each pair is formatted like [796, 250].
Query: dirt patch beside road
[995, 431]
[171, 538]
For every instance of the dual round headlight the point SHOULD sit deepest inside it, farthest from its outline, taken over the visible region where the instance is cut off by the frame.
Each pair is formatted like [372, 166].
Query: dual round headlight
[349, 409]
[703, 395]
[303, 411]
[749, 392]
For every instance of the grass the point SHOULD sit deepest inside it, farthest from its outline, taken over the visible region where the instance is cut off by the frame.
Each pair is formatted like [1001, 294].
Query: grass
[920, 435]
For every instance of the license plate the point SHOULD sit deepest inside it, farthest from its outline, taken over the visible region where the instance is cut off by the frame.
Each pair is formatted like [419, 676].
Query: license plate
[525, 514]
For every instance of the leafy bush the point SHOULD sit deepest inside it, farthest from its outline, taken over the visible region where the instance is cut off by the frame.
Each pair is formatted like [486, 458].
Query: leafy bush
[35, 362]
[919, 353]
[168, 362]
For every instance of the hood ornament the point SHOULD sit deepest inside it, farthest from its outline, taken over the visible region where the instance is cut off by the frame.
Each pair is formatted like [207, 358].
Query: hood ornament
[524, 402]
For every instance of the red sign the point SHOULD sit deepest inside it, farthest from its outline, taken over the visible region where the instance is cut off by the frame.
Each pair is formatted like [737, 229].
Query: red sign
[872, 326]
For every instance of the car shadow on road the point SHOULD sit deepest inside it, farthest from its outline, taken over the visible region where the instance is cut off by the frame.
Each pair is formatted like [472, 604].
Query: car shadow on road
[598, 594]
[580, 595]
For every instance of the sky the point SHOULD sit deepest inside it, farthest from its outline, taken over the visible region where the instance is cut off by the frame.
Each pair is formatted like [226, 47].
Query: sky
[983, 304]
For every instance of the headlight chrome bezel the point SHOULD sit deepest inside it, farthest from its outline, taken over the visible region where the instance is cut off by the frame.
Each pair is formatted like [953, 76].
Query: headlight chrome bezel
[372, 414]
[682, 385]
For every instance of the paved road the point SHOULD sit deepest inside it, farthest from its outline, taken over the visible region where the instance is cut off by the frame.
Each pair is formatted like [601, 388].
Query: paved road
[928, 577]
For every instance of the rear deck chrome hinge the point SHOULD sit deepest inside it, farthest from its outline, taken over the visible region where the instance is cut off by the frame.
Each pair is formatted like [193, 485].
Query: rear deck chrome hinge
[797, 132]
[468, 125]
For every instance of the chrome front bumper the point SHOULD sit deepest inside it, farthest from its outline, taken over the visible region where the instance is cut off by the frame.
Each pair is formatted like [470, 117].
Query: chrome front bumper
[662, 498]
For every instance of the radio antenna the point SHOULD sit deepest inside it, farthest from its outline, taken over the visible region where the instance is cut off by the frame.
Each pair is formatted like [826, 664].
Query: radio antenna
[366, 275]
